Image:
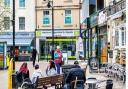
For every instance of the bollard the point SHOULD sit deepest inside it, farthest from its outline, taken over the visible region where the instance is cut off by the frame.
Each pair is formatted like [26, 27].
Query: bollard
[8, 61]
[10, 71]
[109, 84]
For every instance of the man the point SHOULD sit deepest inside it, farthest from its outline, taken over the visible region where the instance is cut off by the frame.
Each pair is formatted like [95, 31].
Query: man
[37, 73]
[34, 53]
[72, 75]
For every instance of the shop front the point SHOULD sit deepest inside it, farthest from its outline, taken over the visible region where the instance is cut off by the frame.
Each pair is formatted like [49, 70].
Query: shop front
[23, 43]
[103, 38]
[93, 35]
[65, 39]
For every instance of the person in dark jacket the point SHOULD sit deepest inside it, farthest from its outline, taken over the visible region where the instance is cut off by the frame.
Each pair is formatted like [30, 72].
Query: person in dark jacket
[34, 53]
[73, 73]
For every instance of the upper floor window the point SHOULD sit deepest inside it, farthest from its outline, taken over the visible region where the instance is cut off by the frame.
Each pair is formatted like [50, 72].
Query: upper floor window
[7, 3]
[7, 23]
[21, 23]
[123, 37]
[46, 19]
[117, 38]
[68, 19]
[21, 3]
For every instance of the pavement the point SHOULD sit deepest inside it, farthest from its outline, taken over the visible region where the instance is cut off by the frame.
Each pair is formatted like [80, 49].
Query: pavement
[43, 64]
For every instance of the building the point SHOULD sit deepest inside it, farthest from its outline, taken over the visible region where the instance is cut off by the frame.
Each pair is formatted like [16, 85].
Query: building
[105, 31]
[24, 25]
[66, 25]
[117, 31]
[92, 38]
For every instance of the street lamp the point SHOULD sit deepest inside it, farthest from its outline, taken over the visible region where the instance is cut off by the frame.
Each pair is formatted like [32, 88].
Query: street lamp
[13, 22]
[51, 6]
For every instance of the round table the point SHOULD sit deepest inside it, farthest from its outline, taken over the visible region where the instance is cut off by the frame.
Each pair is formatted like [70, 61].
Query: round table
[91, 83]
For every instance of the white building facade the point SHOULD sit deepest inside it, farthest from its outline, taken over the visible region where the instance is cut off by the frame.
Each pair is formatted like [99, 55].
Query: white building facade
[24, 25]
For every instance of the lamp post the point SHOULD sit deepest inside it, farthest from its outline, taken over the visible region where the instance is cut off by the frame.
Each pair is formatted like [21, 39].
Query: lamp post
[13, 22]
[51, 6]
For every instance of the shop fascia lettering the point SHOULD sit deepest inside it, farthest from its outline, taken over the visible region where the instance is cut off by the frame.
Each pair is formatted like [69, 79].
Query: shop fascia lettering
[17, 34]
[57, 33]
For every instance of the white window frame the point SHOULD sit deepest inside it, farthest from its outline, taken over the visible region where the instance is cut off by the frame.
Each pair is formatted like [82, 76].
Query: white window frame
[68, 15]
[45, 15]
[21, 23]
[22, 6]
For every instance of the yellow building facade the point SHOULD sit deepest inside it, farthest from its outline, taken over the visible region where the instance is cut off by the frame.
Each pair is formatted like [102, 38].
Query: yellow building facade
[64, 27]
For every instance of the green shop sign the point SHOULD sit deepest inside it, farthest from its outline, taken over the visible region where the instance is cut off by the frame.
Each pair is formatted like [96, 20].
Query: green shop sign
[94, 19]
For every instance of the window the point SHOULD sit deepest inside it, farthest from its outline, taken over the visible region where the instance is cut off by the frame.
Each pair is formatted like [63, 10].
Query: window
[7, 3]
[21, 3]
[92, 6]
[21, 23]
[123, 37]
[7, 23]
[117, 38]
[68, 17]
[46, 19]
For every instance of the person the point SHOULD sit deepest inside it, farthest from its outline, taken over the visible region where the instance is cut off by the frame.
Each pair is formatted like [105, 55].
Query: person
[73, 73]
[76, 64]
[16, 54]
[23, 73]
[34, 53]
[58, 59]
[37, 73]
[51, 69]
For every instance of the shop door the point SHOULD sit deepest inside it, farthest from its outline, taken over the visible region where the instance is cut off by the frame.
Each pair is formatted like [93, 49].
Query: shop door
[103, 40]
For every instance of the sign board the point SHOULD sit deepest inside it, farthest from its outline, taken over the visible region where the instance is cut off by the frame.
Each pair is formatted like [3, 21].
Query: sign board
[57, 33]
[17, 34]
[65, 57]
[102, 17]
[79, 48]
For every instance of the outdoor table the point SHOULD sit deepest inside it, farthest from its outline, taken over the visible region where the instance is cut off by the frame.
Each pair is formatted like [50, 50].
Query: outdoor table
[91, 83]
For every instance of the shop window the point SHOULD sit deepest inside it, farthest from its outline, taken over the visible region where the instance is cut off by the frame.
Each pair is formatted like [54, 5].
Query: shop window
[46, 19]
[68, 17]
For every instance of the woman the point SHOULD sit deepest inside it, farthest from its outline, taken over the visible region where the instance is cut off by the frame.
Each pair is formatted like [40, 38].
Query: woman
[23, 73]
[51, 69]
[24, 70]
[58, 59]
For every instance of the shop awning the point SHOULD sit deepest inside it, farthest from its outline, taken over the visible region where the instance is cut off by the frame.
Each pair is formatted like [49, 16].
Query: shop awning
[18, 42]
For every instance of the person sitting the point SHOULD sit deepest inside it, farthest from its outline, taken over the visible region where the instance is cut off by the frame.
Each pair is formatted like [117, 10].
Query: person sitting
[23, 73]
[24, 70]
[73, 73]
[76, 64]
[51, 69]
[37, 73]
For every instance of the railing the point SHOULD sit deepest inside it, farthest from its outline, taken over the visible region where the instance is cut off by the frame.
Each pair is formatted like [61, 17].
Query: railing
[116, 7]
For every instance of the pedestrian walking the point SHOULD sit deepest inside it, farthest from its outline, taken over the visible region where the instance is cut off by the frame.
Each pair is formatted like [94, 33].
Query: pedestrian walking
[34, 53]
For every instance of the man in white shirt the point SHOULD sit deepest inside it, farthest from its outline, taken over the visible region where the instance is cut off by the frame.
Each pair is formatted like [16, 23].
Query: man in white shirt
[37, 73]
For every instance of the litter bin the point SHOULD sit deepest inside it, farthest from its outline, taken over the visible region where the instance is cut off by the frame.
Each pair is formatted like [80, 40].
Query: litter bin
[14, 81]
[109, 84]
